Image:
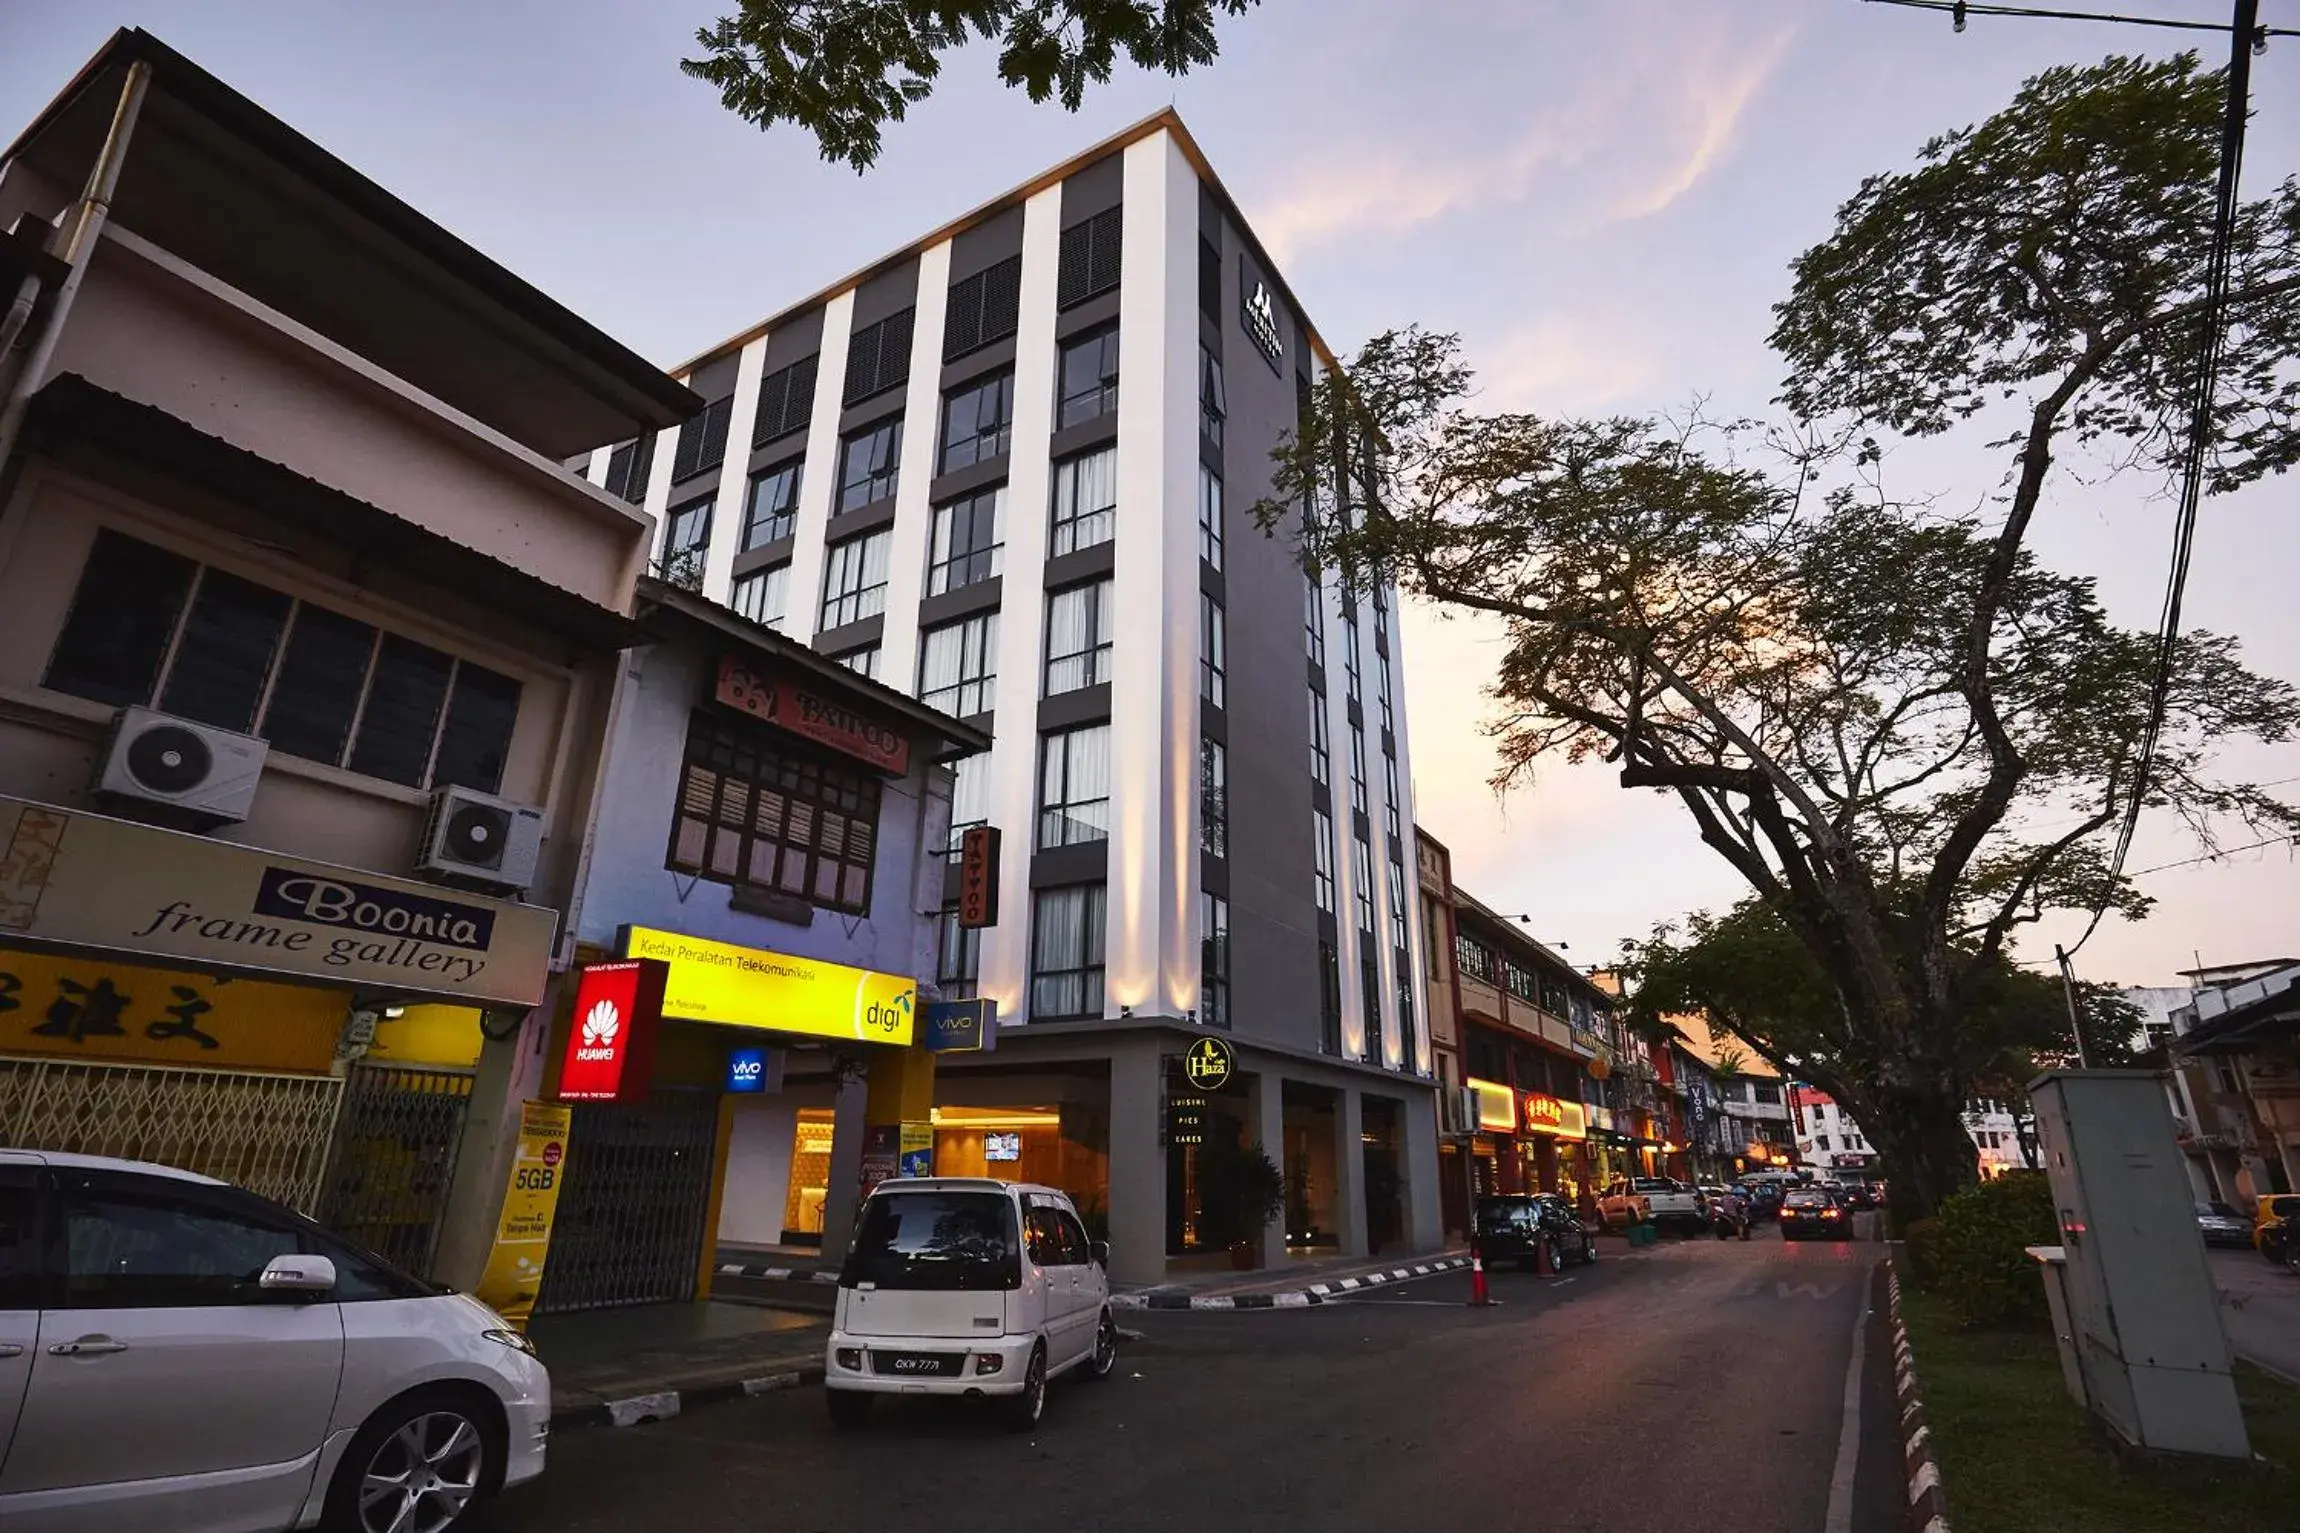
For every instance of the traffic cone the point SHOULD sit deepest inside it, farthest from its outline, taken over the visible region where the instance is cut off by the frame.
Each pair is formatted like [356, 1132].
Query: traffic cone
[1477, 1290]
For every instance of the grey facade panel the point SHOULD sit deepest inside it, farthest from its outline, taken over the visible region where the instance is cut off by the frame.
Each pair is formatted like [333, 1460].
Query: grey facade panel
[986, 244]
[795, 338]
[889, 292]
[1093, 188]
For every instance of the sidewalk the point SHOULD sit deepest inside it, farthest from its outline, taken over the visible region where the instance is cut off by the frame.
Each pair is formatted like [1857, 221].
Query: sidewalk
[1293, 1286]
[622, 1366]
[2260, 1307]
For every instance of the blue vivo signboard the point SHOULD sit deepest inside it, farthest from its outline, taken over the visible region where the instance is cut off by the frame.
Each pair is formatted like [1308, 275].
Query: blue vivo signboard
[958, 1027]
[746, 1069]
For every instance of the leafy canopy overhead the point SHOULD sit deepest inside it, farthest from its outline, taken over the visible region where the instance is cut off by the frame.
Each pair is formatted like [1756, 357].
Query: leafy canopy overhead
[844, 69]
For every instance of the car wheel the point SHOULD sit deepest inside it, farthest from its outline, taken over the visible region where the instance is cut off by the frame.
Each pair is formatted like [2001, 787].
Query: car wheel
[416, 1467]
[849, 1408]
[1105, 1360]
[1588, 1251]
[1023, 1411]
[1551, 1258]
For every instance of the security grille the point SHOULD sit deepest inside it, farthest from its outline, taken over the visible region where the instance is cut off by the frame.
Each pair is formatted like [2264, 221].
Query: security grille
[267, 1133]
[395, 1148]
[629, 1226]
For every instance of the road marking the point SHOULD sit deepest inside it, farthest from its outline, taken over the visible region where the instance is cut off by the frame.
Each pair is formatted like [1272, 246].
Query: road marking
[1840, 1518]
[1809, 1290]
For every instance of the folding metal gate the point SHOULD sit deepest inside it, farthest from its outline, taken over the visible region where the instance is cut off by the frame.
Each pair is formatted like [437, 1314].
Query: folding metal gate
[395, 1148]
[629, 1227]
[267, 1133]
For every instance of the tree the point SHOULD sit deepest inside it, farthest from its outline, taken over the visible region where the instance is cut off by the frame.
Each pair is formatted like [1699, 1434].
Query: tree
[844, 69]
[1904, 734]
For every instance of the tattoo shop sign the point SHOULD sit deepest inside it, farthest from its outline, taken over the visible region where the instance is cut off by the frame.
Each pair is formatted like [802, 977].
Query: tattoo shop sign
[86, 881]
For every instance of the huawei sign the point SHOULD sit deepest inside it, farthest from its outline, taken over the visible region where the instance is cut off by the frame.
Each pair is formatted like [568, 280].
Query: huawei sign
[611, 1039]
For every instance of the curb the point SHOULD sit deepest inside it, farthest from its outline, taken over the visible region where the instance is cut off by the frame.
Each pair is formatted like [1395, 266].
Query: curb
[664, 1404]
[1928, 1503]
[1296, 1298]
[774, 1274]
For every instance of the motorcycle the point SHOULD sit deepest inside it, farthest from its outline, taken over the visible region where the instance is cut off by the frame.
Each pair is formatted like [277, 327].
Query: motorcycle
[1728, 1221]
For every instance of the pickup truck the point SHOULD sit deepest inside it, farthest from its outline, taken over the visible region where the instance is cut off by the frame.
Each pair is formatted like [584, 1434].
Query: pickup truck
[1651, 1200]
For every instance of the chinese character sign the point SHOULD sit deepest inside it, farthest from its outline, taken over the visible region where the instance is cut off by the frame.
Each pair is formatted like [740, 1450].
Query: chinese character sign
[90, 1008]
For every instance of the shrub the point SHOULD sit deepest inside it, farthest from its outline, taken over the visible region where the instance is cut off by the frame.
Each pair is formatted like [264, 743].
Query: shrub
[1920, 1248]
[1978, 1254]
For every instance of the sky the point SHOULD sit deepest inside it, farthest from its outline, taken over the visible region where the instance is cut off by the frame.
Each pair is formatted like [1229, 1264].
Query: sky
[1601, 198]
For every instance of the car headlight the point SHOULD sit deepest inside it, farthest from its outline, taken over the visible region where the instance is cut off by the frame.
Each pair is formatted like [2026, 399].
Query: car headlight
[511, 1339]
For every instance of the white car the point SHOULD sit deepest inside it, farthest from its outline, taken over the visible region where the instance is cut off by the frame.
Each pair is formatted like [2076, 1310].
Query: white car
[962, 1286]
[179, 1354]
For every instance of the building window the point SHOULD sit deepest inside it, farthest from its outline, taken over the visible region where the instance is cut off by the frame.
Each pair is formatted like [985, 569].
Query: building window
[854, 579]
[1329, 999]
[628, 467]
[1209, 516]
[148, 627]
[1074, 786]
[1066, 952]
[969, 794]
[786, 401]
[977, 421]
[1362, 869]
[1321, 751]
[1401, 937]
[1088, 378]
[1390, 800]
[1212, 680]
[763, 596]
[958, 666]
[1314, 618]
[983, 308]
[1358, 769]
[1209, 279]
[957, 956]
[773, 509]
[1078, 637]
[1370, 997]
[1088, 257]
[686, 541]
[703, 440]
[1085, 500]
[1350, 659]
[1213, 798]
[1472, 957]
[1382, 697]
[1323, 824]
[1520, 982]
[869, 461]
[1768, 1093]
[1213, 399]
[963, 549]
[878, 356]
[863, 661]
[1214, 961]
[756, 812]
[1409, 1024]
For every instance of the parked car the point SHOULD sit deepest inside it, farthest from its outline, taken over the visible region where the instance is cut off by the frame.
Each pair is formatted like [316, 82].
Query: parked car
[2221, 1225]
[1512, 1227]
[2274, 1216]
[1810, 1212]
[965, 1286]
[1657, 1200]
[178, 1353]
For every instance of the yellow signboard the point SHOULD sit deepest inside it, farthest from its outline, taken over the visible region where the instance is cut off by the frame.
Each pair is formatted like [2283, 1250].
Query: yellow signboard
[1496, 1106]
[523, 1235]
[751, 987]
[88, 1008]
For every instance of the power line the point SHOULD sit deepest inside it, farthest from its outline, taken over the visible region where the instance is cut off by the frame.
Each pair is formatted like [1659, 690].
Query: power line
[1959, 10]
[2224, 852]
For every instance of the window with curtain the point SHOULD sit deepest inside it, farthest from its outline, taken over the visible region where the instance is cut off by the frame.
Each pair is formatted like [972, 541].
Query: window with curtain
[977, 421]
[1390, 785]
[1323, 823]
[1382, 696]
[1213, 798]
[957, 956]
[1213, 399]
[1209, 516]
[963, 548]
[1074, 786]
[1401, 937]
[1321, 750]
[1087, 378]
[1358, 769]
[969, 795]
[1314, 618]
[763, 596]
[1214, 960]
[1381, 606]
[1212, 674]
[1350, 658]
[854, 578]
[1066, 940]
[868, 462]
[773, 508]
[863, 661]
[958, 666]
[1078, 637]
[756, 810]
[1085, 500]
[1362, 866]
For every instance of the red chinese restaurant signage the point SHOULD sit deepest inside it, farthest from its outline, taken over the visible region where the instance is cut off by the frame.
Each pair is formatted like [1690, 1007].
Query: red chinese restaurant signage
[611, 1039]
[801, 711]
[1545, 1114]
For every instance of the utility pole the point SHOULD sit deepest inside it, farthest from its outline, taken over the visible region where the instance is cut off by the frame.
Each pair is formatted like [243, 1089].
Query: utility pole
[2068, 994]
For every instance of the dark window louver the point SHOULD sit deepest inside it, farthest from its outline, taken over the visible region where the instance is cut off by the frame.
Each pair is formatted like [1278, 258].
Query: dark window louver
[628, 467]
[1209, 280]
[878, 358]
[986, 307]
[703, 440]
[786, 401]
[1090, 258]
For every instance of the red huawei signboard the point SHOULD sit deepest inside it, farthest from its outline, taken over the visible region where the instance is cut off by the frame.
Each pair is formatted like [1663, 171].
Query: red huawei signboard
[611, 1041]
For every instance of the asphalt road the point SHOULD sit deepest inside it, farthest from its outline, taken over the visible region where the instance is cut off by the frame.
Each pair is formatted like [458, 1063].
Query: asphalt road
[1699, 1385]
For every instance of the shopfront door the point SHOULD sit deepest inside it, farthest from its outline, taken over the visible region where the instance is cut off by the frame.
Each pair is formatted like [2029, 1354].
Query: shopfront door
[629, 1226]
[395, 1150]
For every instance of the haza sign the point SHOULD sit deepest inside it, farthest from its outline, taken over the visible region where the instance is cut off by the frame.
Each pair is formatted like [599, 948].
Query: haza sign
[1258, 315]
[611, 1038]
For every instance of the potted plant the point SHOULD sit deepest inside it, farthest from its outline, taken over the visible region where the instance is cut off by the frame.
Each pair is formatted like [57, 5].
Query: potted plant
[1240, 1190]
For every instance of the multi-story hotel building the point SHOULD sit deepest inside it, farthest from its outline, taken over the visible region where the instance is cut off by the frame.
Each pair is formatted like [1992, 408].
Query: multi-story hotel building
[1007, 470]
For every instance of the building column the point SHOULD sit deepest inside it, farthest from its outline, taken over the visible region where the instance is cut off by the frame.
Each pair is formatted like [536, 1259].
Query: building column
[509, 1073]
[1350, 1170]
[1424, 1215]
[1137, 1164]
[1266, 1121]
[844, 1193]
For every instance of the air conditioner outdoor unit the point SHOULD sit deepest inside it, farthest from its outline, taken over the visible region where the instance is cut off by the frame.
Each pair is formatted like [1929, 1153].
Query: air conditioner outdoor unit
[1457, 1110]
[203, 774]
[476, 838]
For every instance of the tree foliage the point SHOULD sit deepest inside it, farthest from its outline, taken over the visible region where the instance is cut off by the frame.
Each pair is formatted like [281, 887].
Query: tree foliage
[1907, 736]
[844, 69]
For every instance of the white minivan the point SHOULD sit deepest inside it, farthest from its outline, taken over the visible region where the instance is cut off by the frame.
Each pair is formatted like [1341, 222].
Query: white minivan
[965, 1286]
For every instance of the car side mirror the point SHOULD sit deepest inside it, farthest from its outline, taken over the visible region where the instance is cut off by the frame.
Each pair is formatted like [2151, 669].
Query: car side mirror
[305, 1277]
[1100, 1251]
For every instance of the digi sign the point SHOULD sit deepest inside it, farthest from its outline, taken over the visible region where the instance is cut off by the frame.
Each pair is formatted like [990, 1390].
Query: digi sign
[611, 1037]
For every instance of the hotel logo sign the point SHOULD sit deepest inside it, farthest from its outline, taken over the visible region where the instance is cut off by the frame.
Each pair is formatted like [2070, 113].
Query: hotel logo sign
[1258, 315]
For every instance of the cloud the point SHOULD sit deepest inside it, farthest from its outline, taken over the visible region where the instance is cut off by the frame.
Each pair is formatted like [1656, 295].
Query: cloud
[1714, 105]
[1576, 362]
[1392, 193]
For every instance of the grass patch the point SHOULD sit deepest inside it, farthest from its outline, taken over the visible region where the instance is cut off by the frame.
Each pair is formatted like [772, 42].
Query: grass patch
[2018, 1456]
